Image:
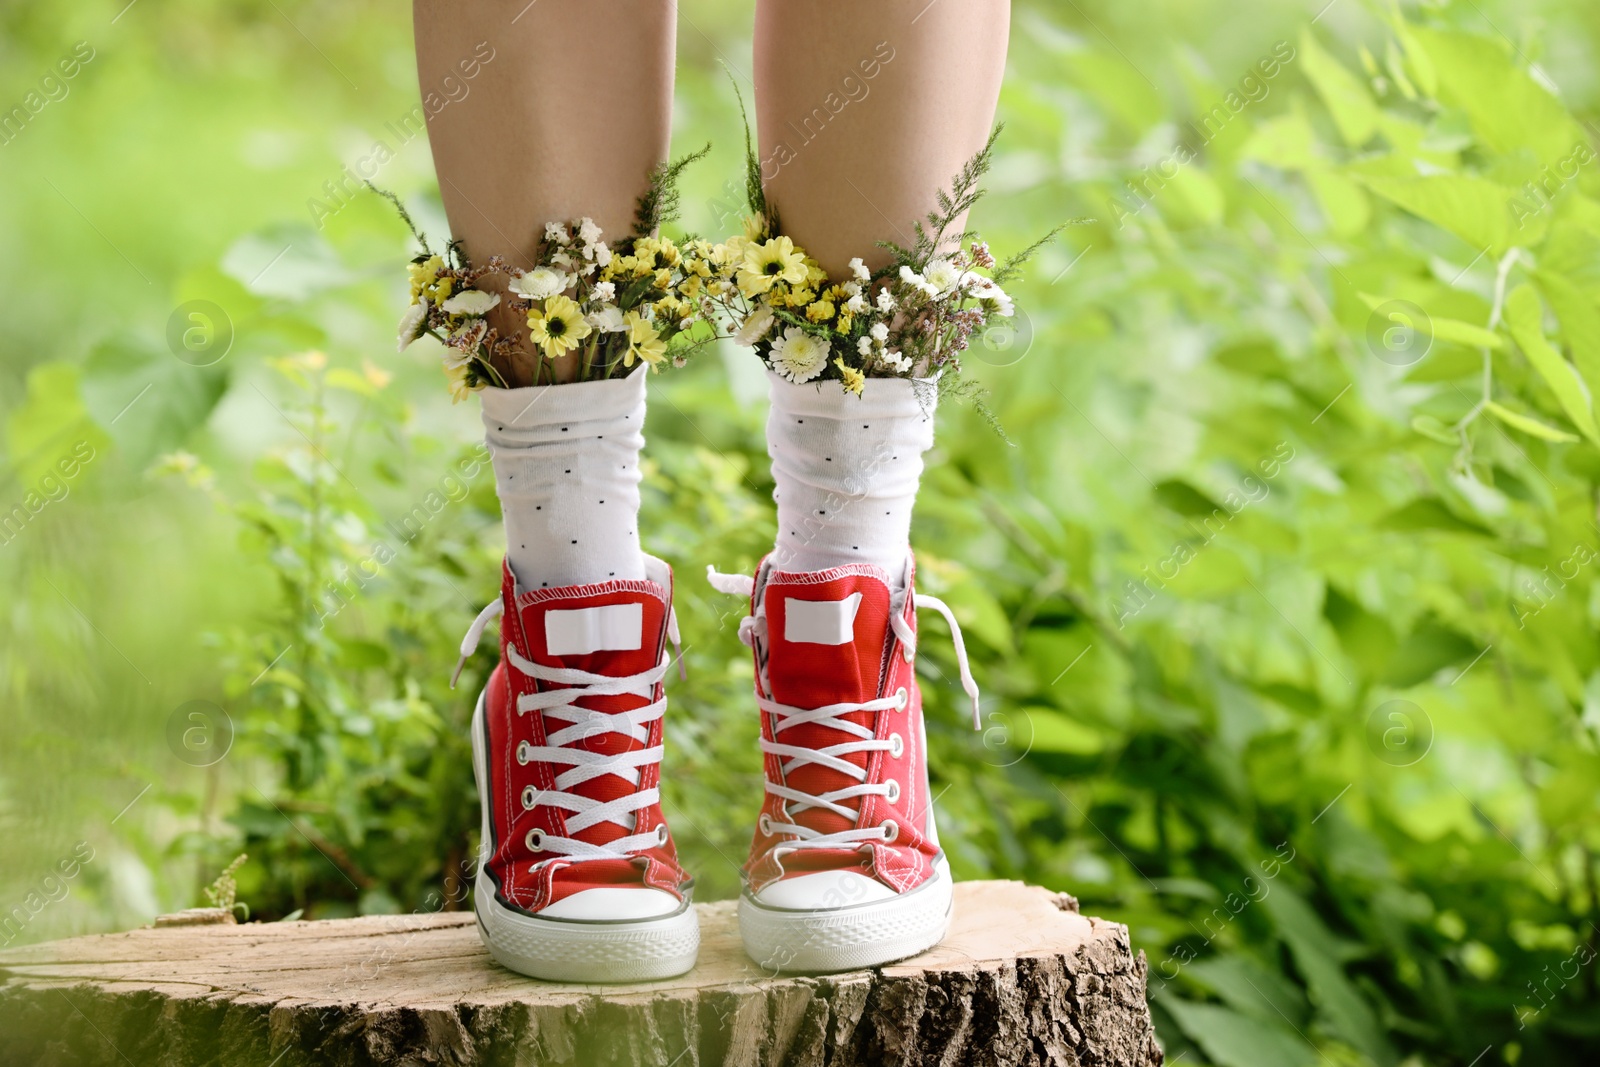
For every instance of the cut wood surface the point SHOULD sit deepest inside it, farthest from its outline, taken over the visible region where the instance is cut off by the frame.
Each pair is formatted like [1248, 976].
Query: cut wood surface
[1021, 978]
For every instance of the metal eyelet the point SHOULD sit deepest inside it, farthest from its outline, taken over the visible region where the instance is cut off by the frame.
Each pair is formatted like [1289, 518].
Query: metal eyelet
[766, 825]
[529, 797]
[902, 699]
[891, 829]
[897, 746]
[893, 795]
[661, 835]
[523, 748]
[534, 840]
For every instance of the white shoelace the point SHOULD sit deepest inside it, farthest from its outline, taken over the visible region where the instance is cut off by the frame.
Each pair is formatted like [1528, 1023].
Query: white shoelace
[753, 628]
[584, 723]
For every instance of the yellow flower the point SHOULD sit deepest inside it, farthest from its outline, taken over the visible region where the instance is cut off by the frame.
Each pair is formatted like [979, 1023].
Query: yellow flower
[558, 327]
[821, 311]
[462, 384]
[854, 381]
[423, 275]
[664, 278]
[770, 262]
[729, 253]
[846, 321]
[669, 252]
[643, 341]
[799, 298]
[755, 228]
[815, 275]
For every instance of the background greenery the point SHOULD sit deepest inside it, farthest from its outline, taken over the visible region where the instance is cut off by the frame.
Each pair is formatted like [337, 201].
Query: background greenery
[1283, 606]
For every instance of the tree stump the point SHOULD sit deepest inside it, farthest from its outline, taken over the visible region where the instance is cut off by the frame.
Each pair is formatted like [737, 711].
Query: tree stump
[1022, 978]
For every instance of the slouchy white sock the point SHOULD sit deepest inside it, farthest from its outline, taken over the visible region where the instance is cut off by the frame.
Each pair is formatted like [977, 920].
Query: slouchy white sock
[847, 469]
[566, 467]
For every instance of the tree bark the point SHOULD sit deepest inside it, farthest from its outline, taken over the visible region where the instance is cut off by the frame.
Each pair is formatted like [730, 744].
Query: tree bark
[1021, 978]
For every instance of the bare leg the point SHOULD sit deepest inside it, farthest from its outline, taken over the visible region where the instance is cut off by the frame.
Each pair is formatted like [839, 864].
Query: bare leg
[564, 120]
[866, 112]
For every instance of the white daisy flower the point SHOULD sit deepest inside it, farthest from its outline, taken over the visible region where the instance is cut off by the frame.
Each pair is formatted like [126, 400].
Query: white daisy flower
[541, 283]
[606, 291]
[556, 233]
[798, 356]
[412, 323]
[470, 302]
[859, 270]
[885, 300]
[607, 319]
[755, 325]
[588, 232]
[943, 276]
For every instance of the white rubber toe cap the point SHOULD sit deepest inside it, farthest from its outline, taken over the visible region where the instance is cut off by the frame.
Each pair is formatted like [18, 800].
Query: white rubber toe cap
[823, 891]
[613, 904]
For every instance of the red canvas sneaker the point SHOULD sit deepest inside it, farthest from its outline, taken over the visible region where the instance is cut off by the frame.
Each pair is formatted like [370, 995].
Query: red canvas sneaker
[578, 879]
[845, 870]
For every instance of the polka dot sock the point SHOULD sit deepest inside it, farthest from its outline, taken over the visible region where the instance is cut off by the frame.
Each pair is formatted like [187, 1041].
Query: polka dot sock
[566, 467]
[846, 470]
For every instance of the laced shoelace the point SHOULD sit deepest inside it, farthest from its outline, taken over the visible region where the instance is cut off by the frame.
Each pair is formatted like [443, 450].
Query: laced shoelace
[753, 628]
[584, 765]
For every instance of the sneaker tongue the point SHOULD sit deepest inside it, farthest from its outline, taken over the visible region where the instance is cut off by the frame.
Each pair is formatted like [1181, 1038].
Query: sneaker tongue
[616, 629]
[827, 637]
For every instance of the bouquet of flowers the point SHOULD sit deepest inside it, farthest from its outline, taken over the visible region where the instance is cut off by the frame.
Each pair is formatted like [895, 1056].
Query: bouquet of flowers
[911, 318]
[606, 305]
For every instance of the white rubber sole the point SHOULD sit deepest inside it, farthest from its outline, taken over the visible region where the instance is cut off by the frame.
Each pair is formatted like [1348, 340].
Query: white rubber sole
[576, 950]
[847, 939]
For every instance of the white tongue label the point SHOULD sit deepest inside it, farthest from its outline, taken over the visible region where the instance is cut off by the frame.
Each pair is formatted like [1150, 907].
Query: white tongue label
[821, 622]
[609, 628]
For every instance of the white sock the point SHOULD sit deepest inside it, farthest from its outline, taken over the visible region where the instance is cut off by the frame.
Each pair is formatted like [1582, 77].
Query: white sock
[566, 467]
[847, 469]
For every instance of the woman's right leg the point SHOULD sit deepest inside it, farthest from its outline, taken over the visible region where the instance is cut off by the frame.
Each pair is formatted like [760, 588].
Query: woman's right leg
[578, 878]
[565, 120]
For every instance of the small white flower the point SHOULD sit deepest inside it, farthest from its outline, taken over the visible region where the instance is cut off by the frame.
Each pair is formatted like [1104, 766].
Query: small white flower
[859, 270]
[880, 332]
[607, 319]
[856, 305]
[864, 345]
[918, 282]
[686, 322]
[412, 323]
[885, 300]
[895, 361]
[470, 302]
[943, 276]
[588, 232]
[456, 358]
[755, 325]
[556, 233]
[541, 283]
[606, 291]
[851, 288]
[799, 356]
[563, 260]
[602, 255]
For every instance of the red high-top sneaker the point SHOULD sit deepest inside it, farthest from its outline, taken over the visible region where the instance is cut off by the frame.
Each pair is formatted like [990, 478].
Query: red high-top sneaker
[578, 879]
[845, 870]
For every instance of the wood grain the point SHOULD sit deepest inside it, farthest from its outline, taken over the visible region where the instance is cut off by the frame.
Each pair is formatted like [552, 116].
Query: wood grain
[1021, 978]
